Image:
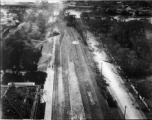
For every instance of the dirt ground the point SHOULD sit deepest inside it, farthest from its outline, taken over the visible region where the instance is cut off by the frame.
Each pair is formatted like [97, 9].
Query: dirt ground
[70, 89]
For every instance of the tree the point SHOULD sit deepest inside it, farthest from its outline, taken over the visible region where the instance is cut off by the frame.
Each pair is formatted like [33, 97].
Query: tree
[30, 15]
[19, 11]
[85, 17]
[143, 47]
[102, 84]
[7, 63]
[35, 32]
[105, 26]
[37, 77]
[16, 55]
[30, 58]
[71, 20]
[14, 48]
[44, 5]
[21, 52]
[144, 88]
[128, 32]
[126, 42]
[41, 22]
[8, 77]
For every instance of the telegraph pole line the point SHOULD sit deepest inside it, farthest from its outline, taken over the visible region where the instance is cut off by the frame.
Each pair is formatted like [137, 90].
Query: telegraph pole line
[1, 58]
[125, 112]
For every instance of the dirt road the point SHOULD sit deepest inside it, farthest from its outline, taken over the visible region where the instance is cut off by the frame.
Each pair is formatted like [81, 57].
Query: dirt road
[116, 86]
[69, 91]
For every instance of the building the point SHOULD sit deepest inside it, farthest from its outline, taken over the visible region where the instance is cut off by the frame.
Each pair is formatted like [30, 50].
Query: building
[24, 1]
[19, 101]
[44, 0]
[38, 1]
[3, 2]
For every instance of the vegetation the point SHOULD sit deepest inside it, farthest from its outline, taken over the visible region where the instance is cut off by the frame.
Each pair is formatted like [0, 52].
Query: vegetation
[125, 8]
[78, 25]
[102, 85]
[18, 53]
[8, 111]
[71, 20]
[37, 77]
[19, 11]
[18, 102]
[127, 42]
[144, 88]
[8, 77]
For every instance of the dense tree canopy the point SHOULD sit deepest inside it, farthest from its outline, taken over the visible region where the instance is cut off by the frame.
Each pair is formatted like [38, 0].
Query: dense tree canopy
[30, 58]
[129, 43]
[18, 53]
[37, 77]
[126, 41]
[144, 88]
[16, 49]
[19, 11]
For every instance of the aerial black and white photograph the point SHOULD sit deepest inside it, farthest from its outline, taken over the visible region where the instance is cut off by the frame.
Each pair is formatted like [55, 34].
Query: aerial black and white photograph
[76, 59]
